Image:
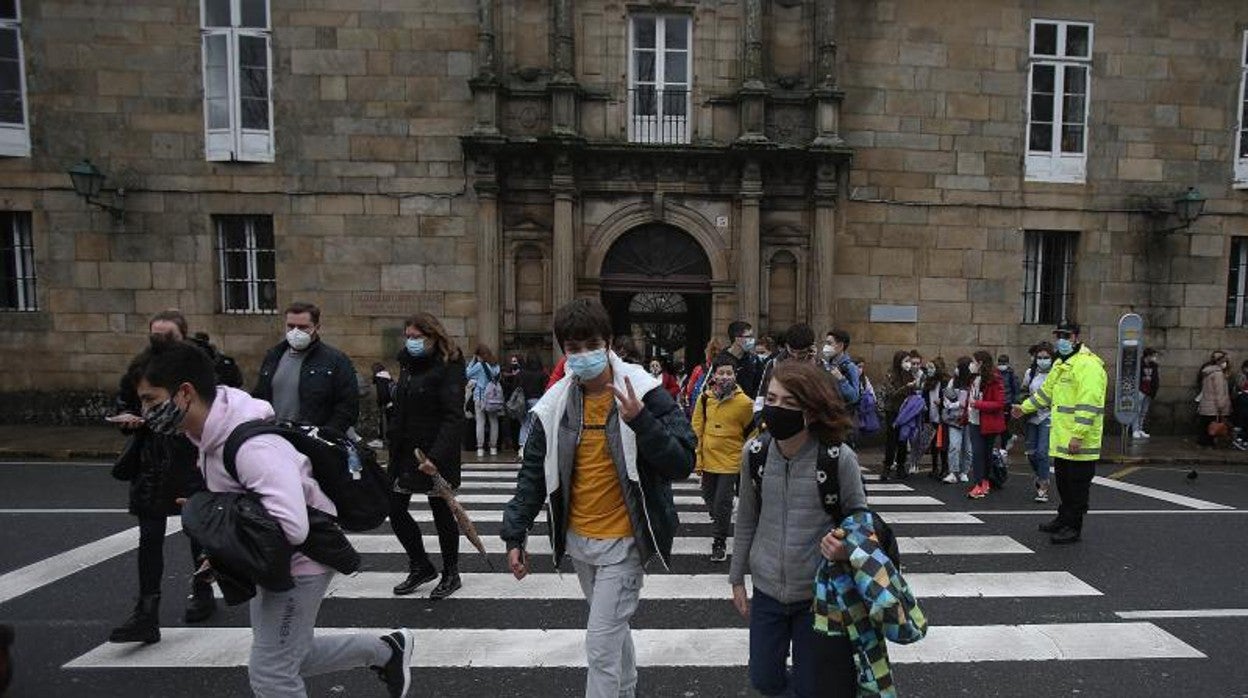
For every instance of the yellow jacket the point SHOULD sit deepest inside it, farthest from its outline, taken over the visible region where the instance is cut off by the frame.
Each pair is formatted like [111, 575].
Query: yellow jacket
[722, 427]
[1075, 392]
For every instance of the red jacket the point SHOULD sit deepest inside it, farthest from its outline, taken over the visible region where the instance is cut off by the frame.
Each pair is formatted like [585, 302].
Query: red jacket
[991, 405]
[557, 374]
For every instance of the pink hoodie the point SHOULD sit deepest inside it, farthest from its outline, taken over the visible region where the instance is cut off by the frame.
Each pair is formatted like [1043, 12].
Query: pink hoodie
[267, 465]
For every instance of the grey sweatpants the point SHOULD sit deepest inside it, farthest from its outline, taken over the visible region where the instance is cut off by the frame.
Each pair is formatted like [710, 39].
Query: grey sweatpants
[610, 573]
[284, 648]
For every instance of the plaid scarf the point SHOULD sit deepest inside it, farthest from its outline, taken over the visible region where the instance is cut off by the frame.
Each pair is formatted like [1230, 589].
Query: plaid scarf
[867, 600]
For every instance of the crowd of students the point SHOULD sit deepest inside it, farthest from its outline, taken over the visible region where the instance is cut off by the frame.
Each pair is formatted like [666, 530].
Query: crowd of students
[764, 422]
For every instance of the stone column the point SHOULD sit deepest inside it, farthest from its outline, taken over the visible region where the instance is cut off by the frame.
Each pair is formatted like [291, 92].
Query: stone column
[485, 84]
[563, 185]
[563, 87]
[823, 251]
[489, 243]
[752, 98]
[748, 252]
[827, 93]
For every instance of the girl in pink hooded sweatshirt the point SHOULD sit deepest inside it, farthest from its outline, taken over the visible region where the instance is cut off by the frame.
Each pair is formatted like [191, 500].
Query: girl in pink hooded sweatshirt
[178, 393]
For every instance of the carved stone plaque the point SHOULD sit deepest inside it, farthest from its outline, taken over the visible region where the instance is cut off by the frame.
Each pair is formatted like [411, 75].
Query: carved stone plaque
[395, 303]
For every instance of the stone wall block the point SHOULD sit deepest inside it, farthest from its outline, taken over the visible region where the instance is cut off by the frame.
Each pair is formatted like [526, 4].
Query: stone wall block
[1207, 245]
[327, 62]
[856, 286]
[126, 275]
[942, 289]
[403, 277]
[451, 278]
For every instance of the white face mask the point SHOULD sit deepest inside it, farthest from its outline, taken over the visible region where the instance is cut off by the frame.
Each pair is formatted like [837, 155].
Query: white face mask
[974, 367]
[298, 339]
[828, 351]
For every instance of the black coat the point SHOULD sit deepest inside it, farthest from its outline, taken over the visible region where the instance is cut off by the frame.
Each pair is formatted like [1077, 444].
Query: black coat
[428, 414]
[329, 393]
[161, 468]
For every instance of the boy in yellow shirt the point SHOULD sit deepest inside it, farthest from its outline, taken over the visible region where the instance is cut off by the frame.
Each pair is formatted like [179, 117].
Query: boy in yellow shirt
[722, 420]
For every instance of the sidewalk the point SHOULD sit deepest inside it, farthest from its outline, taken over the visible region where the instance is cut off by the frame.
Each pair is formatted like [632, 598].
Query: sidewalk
[31, 441]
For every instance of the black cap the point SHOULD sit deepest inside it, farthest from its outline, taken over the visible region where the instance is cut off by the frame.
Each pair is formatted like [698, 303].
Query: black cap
[1067, 328]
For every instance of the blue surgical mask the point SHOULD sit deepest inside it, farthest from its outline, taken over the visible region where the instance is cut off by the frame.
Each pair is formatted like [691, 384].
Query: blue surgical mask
[747, 343]
[1065, 347]
[1044, 364]
[415, 346]
[588, 365]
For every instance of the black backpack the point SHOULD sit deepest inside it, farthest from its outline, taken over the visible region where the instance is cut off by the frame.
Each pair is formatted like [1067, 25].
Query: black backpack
[347, 474]
[827, 475]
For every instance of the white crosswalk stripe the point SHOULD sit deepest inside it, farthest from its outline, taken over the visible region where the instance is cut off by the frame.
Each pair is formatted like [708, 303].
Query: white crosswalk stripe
[525, 642]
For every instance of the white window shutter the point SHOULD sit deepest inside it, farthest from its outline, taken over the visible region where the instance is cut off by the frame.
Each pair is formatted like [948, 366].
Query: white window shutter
[218, 133]
[255, 145]
[15, 136]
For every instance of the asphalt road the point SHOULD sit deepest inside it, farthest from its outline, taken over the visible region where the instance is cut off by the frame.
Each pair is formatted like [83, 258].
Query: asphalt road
[1011, 614]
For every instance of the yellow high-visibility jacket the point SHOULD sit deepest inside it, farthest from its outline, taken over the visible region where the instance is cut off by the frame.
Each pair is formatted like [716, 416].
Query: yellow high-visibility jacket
[1075, 392]
[722, 427]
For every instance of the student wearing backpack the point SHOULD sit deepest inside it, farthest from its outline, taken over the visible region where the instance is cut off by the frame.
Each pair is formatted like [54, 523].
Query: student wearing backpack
[934, 379]
[177, 391]
[956, 396]
[428, 404]
[1039, 424]
[841, 367]
[783, 531]
[161, 468]
[986, 417]
[606, 443]
[722, 420]
[900, 384]
[487, 400]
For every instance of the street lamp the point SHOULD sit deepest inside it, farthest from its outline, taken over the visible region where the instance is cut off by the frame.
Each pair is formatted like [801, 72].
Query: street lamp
[1186, 209]
[88, 181]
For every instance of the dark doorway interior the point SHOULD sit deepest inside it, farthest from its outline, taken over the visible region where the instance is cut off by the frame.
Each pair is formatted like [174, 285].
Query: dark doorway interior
[656, 283]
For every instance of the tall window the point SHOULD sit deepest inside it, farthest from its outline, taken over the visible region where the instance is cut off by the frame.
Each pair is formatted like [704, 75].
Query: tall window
[1057, 117]
[1047, 276]
[17, 262]
[14, 126]
[247, 265]
[238, 80]
[1241, 146]
[1237, 284]
[658, 78]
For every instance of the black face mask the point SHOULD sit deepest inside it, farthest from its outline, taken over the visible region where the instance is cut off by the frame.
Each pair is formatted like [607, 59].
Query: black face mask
[782, 422]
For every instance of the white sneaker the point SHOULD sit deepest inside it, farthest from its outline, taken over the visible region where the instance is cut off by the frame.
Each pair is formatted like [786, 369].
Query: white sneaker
[949, 479]
[962, 477]
[1137, 434]
[493, 451]
[480, 453]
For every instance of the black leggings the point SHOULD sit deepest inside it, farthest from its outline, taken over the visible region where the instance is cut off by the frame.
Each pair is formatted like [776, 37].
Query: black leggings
[408, 531]
[152, 553]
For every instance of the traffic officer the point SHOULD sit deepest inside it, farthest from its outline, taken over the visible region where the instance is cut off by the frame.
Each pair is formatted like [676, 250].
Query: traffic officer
[1075, 393]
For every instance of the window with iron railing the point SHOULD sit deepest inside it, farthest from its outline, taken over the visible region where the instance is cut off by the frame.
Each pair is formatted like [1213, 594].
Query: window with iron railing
[17, 262]
[246, 264]
[1048, 274]
[1237, 284]
[660, 61]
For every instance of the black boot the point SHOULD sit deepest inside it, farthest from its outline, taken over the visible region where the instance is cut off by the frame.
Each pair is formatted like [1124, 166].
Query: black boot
[419, 575]
[143, 625]
[449, 585]
[200, 605]
[1053, 526]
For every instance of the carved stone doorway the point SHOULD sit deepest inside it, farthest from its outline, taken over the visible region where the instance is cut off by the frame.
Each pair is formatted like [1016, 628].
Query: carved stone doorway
[656, 283]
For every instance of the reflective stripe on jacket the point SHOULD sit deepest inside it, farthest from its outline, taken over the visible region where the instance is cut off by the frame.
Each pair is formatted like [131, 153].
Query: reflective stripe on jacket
[1075, 392]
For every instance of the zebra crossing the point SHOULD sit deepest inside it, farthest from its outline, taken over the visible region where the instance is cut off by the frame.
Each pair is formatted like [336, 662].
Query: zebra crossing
[699, 630]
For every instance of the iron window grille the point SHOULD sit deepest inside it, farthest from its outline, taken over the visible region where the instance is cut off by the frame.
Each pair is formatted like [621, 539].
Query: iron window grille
[17, 275]
[1048, 273]
[1237, 284]
[247, 264]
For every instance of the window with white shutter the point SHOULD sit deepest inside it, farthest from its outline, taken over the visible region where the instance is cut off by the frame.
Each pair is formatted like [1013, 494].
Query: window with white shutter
[1058, 89]
[14, 119]
[238, 80]
[1241, 138]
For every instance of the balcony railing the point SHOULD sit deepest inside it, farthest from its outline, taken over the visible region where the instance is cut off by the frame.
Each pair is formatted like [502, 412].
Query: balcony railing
[658, 115]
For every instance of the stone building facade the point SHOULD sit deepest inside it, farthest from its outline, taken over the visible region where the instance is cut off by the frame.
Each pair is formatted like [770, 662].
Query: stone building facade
[938, 175]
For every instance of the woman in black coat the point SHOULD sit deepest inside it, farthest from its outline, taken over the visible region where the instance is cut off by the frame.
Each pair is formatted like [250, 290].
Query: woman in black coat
[428, 414]
[160, 469]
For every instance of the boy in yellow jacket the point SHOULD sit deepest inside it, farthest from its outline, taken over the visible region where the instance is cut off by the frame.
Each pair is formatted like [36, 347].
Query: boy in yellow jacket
[722, 420]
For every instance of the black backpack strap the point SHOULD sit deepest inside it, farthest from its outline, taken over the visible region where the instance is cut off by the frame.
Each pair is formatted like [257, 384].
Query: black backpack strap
[827, 474]
[758, 448]
[241, 433]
